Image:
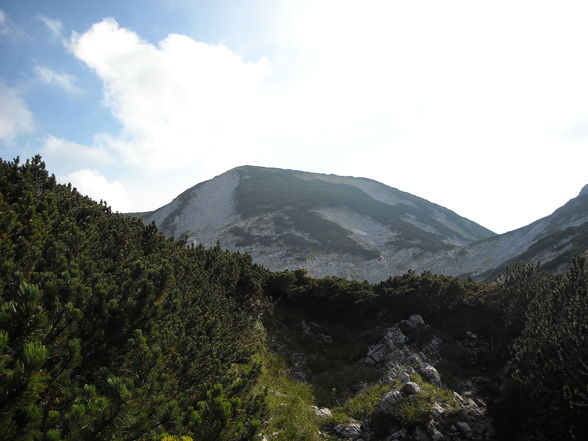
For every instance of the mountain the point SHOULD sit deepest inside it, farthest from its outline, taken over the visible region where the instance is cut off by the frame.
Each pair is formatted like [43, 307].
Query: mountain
[359, 228]
[108, 330]
[328, 224]
[551, 241]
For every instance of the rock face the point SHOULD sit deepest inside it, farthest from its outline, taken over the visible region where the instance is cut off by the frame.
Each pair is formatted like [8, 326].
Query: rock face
[352, 227]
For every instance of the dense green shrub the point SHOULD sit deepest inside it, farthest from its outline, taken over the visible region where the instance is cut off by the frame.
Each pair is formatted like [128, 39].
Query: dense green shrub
[108, 330]
[391, 300]
[548, 378]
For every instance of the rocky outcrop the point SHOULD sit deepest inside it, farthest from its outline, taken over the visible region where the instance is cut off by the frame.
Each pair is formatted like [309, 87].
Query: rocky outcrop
[394, 352]
[460, 418]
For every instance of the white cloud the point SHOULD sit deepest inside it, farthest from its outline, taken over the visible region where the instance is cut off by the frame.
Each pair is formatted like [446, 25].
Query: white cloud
[93, 184]
[64, 81]
[180, 102]
[57, 150]
[15, 118]
[468, 104]
[54, 26]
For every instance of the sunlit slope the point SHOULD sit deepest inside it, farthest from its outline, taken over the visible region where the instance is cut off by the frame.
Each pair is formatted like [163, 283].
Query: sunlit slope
[329, 224]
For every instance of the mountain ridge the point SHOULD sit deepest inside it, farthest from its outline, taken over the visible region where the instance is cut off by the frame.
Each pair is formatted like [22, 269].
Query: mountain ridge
[349, 226]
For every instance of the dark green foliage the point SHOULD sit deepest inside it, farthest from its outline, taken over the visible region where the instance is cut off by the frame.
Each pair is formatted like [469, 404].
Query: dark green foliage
[518, 287]
[110, 331]
[22, 379]
[549, 376]
[430, 295]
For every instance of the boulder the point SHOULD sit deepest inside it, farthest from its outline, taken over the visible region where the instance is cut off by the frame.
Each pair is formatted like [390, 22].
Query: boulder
[396, 355]
[430, 374]
[414, 358]
[458, 397]
[403, 376]
[348, 431]
[415, 320]
[323, 412]
[389, 400]
[435, 341]
[411, 388]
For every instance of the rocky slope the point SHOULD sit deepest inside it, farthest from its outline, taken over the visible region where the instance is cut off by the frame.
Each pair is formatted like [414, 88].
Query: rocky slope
[358, 228]
[552, 241]
[450, 415]
[331, 225]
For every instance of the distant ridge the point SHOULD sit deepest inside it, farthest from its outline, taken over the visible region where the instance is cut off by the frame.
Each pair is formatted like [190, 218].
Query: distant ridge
[350, 227]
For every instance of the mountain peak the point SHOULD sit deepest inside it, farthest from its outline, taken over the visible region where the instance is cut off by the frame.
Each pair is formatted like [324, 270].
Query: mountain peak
[330, 224]
[584, 191]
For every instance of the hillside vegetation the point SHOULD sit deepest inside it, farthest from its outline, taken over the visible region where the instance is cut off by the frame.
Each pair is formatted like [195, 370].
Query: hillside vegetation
[110, 331]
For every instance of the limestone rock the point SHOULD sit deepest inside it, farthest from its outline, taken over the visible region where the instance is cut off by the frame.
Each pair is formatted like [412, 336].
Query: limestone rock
[415, 320]
[403, 376]
[401, 360]
[411, 388]
[437, 412]
[211, 212]
[323, 412]
[394, 337]
[389, 400]
[430, 374]
[349, 431]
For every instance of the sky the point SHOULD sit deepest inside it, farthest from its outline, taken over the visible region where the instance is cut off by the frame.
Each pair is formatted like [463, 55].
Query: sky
[479, 106]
